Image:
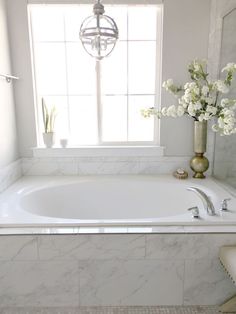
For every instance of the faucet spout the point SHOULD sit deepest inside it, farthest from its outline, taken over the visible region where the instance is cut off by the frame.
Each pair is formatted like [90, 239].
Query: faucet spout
[208, 205]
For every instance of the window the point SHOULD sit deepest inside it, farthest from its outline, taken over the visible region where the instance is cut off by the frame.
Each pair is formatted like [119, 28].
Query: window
[98, 103]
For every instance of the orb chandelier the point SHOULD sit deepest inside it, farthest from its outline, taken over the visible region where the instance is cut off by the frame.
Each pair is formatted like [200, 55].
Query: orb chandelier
[99, 33]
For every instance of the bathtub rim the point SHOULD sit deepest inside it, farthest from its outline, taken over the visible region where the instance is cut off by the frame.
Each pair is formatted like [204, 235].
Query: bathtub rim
[135, 227]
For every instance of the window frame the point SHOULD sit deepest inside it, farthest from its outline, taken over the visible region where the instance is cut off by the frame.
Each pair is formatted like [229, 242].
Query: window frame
[158, 76]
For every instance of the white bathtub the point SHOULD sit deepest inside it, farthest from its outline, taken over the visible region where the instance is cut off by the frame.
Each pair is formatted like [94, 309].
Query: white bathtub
[111, 200]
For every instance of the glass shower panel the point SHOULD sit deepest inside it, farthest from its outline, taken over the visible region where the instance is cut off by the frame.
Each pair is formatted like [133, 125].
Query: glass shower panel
[225, 146]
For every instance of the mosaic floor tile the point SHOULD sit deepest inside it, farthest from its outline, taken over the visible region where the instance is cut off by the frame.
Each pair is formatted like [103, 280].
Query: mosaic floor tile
[115, 310]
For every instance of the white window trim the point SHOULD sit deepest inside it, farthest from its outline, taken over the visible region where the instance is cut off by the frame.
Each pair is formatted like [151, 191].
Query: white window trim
[124, 2]
[139, 148]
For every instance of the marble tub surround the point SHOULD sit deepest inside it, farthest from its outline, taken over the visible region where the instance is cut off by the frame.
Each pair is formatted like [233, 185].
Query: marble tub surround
[10, 174]
[103, 165]
[68, 271]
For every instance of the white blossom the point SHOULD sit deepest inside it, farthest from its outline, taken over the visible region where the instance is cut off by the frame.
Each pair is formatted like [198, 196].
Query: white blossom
[202, 99]
[210, 100]
[191, 110]
[205, 90]
[164, 111]
[229, 67]
[224, 102]
[180, 111]
[171, 111]
[201, 117]
[197, 106]
[207, 116]
[167, 84]
[211, 109]
[221, 87]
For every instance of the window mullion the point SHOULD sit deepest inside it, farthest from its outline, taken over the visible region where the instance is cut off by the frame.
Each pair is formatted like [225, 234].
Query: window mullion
[127, 52]
[99, 101]
[67, 79]
[158, 76]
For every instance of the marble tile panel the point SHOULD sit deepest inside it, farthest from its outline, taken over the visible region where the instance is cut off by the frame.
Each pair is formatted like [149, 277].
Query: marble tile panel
[96, 168]
[187, 246]
[91, 247]
[206, 283]
[39, 283]
[18, 248]
[9, 174]
[39, 166]
[131, 282]
[163, 167]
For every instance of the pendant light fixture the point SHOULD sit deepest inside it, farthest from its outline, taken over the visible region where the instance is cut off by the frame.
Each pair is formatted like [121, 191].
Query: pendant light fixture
[99, 33]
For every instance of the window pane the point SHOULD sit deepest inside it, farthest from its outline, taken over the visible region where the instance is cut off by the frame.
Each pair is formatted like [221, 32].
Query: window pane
[114, 118]
[142, 67]
[50, 68]
[114, 71]
[83, 120]
[81, 70]
[74, 16]
[119, 15]
[140, 128]
[47, 23]
[142, 23]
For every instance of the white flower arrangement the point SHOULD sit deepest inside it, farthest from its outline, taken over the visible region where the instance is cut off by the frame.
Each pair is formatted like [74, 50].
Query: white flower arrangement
[202, 99]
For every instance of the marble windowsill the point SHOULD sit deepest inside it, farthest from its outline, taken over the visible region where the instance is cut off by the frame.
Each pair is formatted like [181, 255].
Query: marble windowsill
[99, 151]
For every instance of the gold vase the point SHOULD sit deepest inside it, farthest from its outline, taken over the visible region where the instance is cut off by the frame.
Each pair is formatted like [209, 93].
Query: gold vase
[199, 163]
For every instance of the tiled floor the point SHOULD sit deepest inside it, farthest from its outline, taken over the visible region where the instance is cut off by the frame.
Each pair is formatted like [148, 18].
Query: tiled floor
[114, 310]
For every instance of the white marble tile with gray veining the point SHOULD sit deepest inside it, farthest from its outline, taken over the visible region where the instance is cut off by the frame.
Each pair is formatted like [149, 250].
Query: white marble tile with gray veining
[91, 168]
[18, 248]
[206, 283]
[39, 283]
[131, 282]
[163, 167]
[9, 174]
[187, 246]
[39, 166]
[103, 165]
[91, 247]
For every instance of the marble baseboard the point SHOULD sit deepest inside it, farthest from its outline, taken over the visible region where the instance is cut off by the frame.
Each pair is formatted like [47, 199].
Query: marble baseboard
[10, 174]
[113, 270]
[103, 165]
[115, 310]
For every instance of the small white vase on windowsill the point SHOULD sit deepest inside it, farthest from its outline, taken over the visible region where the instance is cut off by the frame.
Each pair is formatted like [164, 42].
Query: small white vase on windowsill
[49, 139]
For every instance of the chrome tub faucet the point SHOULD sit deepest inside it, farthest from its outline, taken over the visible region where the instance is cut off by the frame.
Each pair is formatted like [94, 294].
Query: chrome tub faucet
[208, 205]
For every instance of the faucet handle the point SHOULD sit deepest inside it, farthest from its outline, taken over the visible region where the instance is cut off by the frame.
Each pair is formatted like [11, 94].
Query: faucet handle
[224, 204]
[195, 211]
